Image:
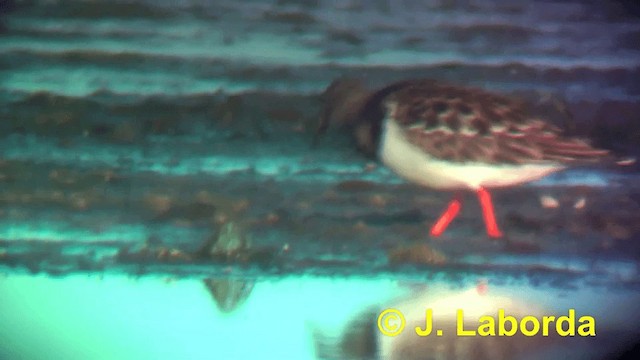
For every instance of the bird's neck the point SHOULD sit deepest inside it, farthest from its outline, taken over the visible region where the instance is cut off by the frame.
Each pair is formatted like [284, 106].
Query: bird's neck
[367, 129]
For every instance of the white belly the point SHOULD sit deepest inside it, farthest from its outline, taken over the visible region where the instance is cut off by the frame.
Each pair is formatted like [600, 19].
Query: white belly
[413, 164]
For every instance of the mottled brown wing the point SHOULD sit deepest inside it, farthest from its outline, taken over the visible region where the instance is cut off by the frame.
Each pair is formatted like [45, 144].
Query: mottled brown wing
[464, 124]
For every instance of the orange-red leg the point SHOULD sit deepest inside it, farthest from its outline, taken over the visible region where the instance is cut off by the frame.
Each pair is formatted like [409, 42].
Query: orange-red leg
[488, 213]
[445, 219]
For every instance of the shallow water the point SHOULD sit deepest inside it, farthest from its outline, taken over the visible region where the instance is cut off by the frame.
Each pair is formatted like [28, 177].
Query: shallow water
[160, 197]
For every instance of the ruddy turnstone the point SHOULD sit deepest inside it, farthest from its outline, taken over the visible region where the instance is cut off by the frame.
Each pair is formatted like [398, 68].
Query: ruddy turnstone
[450, 137]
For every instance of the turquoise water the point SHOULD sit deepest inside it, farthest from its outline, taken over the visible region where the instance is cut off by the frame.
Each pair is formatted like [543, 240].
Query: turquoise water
[152, 317]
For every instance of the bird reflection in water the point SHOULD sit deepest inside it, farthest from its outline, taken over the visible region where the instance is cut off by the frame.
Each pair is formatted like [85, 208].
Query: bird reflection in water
[229, 245]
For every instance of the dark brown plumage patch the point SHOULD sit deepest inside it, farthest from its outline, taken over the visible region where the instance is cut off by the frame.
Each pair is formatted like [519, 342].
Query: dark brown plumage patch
[481, 126]
[440, 107]
[452, 121]
[431, 121]
[416, 111]
[464, 109]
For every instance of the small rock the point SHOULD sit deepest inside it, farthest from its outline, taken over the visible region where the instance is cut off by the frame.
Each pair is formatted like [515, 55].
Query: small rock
[369, 167]
[417, 254]
[241, 205]
[62, 176]
[231, 239]
[272, 218]
[159, 203]
[220, 218]
[360, 226]
[125, 133]
[626, 162]
[378, 200]
[79, 201]
[549, 202]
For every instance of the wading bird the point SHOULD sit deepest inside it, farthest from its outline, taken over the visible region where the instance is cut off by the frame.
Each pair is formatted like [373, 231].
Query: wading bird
[449, 137]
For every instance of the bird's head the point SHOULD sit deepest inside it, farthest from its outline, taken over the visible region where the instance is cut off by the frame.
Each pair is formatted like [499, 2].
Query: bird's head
[342, 102]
